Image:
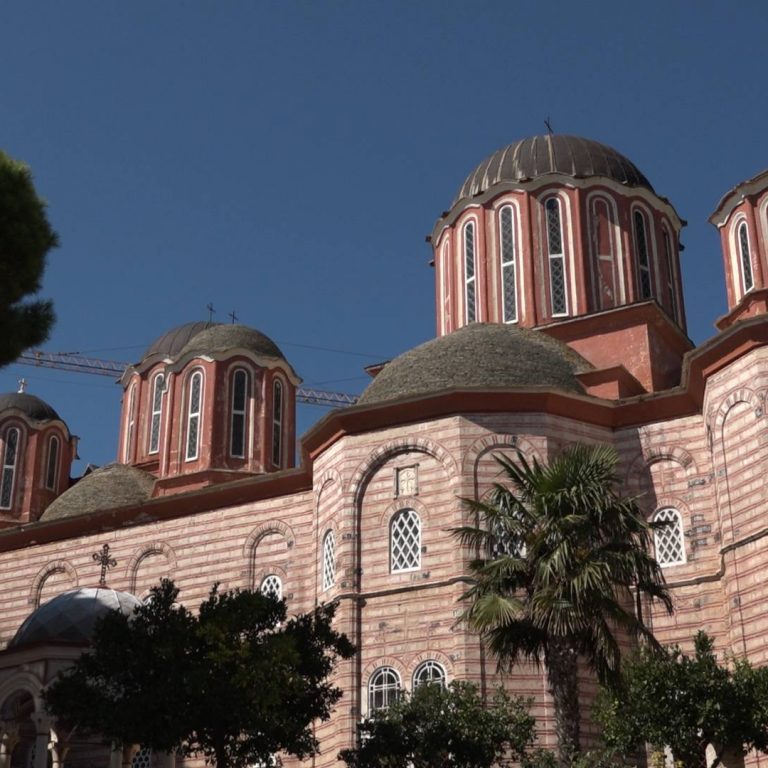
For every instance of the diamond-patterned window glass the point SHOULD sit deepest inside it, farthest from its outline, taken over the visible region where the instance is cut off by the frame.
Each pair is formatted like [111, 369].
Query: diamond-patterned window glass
[405, 541]
[277, 423]
[158, 389]
[670, 274]
[469, 271]
[670, 547]
[52, 467]
[272, 586]
[508, 264]
[129, 426]
[383, 688]
[746, 260]
[329, 560]
[557, 286]
[429, 673]
[10, 451]
[193, 418]
[554, 227]
[143, 758]
[239, 413]
[643, 264]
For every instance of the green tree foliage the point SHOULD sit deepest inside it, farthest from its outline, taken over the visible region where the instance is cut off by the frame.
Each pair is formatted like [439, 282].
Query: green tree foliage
[560, 553]
[686, 702]
[237, 684]
[25, 239]
[441, 727]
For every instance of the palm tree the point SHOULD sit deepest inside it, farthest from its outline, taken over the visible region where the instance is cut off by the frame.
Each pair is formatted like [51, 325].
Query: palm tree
[561, 555]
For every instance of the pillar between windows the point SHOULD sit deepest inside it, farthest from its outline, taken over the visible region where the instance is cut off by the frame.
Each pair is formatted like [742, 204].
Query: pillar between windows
[42, 723]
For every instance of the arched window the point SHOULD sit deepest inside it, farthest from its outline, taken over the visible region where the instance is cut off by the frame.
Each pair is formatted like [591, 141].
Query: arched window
[383, 688]
[745, 259]
[272, 586]
[508, 257]
[194, 412]
[143, 758]
[52, 463]
[277, 423]
[155, 419]
[239, 420]
[645, 285]
[429, 673]
[445, 294]
[130, 424]
[606, 291]
[671, 288]
[10, 447]
[405, 541]
[556, 253]
[329, 560]
[470, 292]
[670, 545]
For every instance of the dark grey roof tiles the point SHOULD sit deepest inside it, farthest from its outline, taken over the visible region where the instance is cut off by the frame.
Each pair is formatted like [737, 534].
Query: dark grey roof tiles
[114, 485]
[479, 356]
[29, 405]
[222, 338]
[173, 341]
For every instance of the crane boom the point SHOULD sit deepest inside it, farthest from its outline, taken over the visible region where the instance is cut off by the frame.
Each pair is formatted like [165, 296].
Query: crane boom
[70, 361]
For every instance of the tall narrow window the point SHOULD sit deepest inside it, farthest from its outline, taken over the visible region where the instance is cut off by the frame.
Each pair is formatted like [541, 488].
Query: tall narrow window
[194, 403]
[606, 279]
[670, 547]
[329, 561]
[556, 257]
[52, 463]
[405, 541]
[508, 263]
[10, 458]
[277, 423]
[383, 688]
[645, 285]
[130, 424]
[470, 294]
[747, 281]
[155, 422]
[671, 291]
[239, 414]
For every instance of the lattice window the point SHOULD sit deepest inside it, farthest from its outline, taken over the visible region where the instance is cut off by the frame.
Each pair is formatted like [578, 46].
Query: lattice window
[429, 673]
[383, 688]
[405, 541]
[508, 264]
[748, 281]
[193, 414]
[556, 257]
[10, 459]
[239, 413]
[158, 390]
[130, 423]
[272, 586]
[329, 560]
[143, 758]
[643, 259]
[670, 274]
[670, 545]
[470, 295]
[277, 423]
[52, 465]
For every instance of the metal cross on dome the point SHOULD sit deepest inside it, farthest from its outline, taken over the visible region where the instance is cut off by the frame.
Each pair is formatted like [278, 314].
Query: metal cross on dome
[106, 562]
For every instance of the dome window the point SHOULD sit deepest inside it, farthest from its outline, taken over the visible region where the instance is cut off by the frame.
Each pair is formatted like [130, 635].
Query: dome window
[745, 259]
[470, 294]
[606, 291]
[277, 423]
[10, 461]
[671, 289]
[556, 257]
[239, 420]
[194, 409]
[155, 421]
[52, 463]
[645, 285]
[508, 258]
[130, 424]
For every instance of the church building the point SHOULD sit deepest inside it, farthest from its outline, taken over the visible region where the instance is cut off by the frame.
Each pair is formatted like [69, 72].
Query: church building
[560, 318]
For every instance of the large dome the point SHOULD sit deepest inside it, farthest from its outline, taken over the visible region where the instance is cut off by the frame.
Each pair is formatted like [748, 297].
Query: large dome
[221, 338]
[114, 485]
[538, 156]
[29, 405]
[479, 356]
[173, 341]
[71, 616]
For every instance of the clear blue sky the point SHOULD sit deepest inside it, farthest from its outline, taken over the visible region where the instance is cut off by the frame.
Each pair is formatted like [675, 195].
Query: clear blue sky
[286, 159]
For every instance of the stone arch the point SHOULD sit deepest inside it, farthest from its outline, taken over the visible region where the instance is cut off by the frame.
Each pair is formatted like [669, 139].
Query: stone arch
[741, 395]
[430, 655]
[328, 477]
[496, 442]
[144, 552]
[408, 502]
[383, 661]
[45, 573]
[24, 681]
[252, 542]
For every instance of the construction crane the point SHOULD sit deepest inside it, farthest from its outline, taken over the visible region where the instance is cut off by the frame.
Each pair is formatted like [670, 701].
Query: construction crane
[70, 361]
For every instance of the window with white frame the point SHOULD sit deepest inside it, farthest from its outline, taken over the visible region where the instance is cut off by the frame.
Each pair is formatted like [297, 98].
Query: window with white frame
[329, 560]
[645, 285]
[508, 256]
[277, 423]
[405, 541]
[130, 424]
[556, 254]
[52, 463]
[272, 586]
[155, 419]
[470, 292]
[429, 673]
[383, 688]
[194, 413]
[10, 448]
[239, 415]
[668, 257]
[668, 537]
[143, 758]
[745, 258]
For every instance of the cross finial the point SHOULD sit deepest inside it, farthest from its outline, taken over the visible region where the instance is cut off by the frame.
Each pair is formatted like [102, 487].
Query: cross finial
[106, 562]
[211, 310]
[549, 126]
[234, 317]
[22, 385]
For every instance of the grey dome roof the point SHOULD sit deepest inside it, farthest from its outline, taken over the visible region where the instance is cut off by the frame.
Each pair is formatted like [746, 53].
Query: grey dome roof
[71, 616]
[552, 153]
[114, 485]
[173, 341]
[221, 338]
[479, 356]
[29, 405]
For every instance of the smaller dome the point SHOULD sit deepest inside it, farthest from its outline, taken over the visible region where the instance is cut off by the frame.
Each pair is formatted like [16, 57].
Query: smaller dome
[114, 485]
[222, 338]
[479, 356]
[173, 341]
[29, 405]
[71, 616]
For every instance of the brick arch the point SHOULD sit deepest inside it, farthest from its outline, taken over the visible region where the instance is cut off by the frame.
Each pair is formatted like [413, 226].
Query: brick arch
[408, 502]
[403, 445]
[383, 661]
[653, 454]
[250, 572]
[741, 395]
[48, 570]
[142, 553]
[26, 682]
[483, 445]
[430, 655]
[328, 477]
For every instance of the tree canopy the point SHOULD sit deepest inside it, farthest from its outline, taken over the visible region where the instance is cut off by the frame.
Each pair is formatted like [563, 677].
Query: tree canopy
[238, 683]
[439, 727]
[687, 702]
[25, 239]
[560, 554]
